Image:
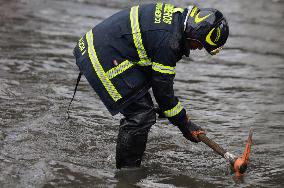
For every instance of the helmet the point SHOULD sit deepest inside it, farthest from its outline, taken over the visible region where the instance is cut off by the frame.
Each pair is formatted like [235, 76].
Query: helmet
[207, 26]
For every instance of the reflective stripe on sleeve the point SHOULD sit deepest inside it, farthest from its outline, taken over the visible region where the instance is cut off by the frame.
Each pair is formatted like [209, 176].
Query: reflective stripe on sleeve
[119, 69]
[99, 69]
[136, 34]
[174, 111]
[163, 69]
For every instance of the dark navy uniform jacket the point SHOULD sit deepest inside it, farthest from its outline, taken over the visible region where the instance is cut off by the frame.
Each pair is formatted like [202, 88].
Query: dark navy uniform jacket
[132, 51]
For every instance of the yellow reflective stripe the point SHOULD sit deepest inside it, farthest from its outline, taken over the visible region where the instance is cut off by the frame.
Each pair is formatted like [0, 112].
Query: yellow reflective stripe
[193, 11]
[163, 69]
[174, 111]
[144, 63]
[99, 69]
[178, 10]
[136, 33]
[208, 38]
[197, 19]
[119, 69]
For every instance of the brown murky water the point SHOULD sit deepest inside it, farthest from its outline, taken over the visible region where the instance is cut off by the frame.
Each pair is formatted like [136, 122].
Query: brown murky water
[243, 87]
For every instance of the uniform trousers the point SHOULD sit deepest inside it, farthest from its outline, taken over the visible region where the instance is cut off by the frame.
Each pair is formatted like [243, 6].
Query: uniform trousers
[139, 116]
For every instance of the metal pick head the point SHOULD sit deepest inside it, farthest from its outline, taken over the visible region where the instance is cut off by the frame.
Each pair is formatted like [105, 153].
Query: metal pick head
[240, 165]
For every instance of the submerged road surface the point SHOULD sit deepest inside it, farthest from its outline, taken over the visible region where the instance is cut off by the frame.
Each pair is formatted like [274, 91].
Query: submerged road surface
[240, 88]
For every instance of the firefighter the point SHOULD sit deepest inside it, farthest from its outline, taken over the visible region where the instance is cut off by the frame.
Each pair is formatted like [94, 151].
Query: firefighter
[137, 49]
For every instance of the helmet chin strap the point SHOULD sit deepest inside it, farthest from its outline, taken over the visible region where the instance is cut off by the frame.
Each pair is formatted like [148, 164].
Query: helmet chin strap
[189, 9]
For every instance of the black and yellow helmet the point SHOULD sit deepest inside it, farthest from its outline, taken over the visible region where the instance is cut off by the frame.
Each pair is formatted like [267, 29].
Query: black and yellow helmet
[208, 26]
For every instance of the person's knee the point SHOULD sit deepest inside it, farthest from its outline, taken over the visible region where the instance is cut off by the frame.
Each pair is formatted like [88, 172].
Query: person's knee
[140, 122]
[147, 118]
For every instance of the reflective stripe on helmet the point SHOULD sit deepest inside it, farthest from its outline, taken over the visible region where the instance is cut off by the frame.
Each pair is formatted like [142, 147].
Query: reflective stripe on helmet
[99, 69]
[174, 111]
[198, 19]
[208, 38]
[192, 13]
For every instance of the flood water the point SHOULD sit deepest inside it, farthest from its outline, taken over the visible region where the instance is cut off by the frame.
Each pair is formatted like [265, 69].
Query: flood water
[241, 88]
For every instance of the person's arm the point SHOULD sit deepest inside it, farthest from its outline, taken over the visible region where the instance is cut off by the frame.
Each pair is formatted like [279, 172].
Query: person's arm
[163, 73]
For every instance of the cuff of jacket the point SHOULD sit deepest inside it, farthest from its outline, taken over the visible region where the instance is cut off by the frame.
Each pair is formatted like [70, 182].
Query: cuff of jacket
[180, 119]
[174, 111]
